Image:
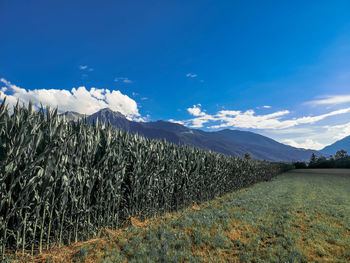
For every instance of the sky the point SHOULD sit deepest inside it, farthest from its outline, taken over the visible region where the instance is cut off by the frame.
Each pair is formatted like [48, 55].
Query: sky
[277, 68]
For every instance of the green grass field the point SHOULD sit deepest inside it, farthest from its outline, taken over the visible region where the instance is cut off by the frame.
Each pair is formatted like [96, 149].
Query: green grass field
[300, 216]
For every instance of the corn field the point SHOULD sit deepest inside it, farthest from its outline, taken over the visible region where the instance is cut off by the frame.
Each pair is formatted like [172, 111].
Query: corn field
[62, 182]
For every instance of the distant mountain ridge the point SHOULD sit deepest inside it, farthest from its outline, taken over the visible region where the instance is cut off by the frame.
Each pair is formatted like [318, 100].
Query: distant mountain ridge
[343, 144]
[229, 142]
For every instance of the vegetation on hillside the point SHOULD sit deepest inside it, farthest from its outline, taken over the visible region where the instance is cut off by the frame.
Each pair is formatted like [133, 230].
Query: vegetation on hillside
[62, 182]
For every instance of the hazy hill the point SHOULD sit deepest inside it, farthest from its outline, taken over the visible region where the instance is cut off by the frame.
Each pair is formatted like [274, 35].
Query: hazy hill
[230, 142]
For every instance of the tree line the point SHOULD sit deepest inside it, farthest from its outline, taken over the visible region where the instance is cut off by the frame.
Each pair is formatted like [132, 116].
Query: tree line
[340, 160]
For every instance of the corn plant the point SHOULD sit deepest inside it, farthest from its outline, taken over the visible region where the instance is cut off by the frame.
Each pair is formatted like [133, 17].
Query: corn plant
[61, 182]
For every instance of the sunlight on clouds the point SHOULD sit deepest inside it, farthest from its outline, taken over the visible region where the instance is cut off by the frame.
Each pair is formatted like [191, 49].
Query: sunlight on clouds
[77, 99]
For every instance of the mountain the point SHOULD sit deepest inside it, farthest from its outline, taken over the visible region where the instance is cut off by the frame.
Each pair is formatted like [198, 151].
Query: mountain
[229, 142]
[343, 144]
[116, 119]
[72, 115]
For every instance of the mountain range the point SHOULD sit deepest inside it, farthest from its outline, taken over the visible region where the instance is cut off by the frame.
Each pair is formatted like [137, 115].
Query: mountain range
[229, 142]
[343, 144]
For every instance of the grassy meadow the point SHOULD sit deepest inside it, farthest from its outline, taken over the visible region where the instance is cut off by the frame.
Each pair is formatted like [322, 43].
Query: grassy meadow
[300, 216]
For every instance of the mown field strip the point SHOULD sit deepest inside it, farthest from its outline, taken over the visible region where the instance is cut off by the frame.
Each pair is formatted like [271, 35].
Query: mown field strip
[300, 216]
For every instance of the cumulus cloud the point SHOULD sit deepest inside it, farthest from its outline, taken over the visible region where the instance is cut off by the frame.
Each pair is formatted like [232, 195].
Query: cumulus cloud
[77, 99]
[196, 111]
[201, 117]
[191, 75]
[266, 107]
[123, 79]
[249, 119]
[331, 100]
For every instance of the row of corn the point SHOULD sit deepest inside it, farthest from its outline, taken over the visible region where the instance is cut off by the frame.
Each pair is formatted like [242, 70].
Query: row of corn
[61, 182]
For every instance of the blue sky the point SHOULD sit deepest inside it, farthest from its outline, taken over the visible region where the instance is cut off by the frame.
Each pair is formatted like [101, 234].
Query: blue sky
[278, 68]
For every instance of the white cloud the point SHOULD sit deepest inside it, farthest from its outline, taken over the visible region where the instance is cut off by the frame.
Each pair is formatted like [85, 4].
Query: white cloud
[339, 131]
[196, 111]
[334, 100]
[249, 119]
[178, 122]
[191, 75]
[201, 117]
[123, 79]
[311, 136]
[294, 130]
[302, 132]
[85, 68]
[77, 99]
[305, 144]
[267, 107]
[97, 93]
